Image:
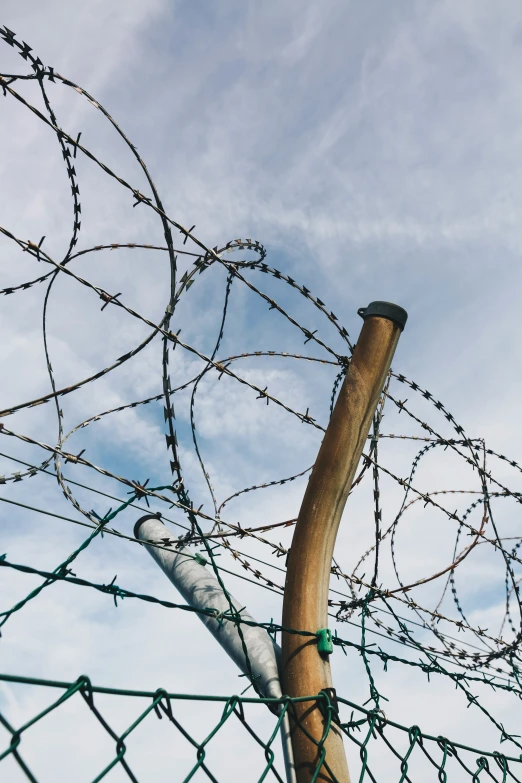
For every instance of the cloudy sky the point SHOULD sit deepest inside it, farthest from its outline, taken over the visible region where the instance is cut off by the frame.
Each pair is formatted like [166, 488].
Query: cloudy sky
[375, 151]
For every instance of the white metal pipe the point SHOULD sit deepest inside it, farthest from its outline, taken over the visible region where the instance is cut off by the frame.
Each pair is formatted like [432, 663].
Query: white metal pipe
[201, 590]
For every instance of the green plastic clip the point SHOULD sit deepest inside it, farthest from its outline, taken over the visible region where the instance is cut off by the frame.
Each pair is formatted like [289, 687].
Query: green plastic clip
[200, 559]
[324, 641]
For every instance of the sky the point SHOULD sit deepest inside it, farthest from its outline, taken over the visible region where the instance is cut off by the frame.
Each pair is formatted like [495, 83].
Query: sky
[374, 150]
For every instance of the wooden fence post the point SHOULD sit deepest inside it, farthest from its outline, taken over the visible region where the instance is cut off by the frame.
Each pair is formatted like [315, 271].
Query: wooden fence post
[306, 671]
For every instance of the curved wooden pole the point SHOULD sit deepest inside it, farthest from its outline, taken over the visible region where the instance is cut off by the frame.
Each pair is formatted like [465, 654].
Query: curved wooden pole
[305, 671]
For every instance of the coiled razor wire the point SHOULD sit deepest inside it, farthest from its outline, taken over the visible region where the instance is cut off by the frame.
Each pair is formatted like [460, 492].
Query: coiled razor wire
[490, 661]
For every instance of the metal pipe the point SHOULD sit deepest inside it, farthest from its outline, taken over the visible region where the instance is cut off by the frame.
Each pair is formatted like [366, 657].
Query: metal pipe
[306, 671]
[201, 590]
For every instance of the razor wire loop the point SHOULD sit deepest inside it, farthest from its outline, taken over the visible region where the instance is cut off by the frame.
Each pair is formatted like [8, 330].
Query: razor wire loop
[494, 662]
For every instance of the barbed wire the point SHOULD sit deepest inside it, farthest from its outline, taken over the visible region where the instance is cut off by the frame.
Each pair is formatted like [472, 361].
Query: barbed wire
[480, 658]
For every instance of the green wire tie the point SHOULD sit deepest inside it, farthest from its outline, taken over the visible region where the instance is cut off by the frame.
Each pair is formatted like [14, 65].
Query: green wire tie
[324, 641]
[200, 559]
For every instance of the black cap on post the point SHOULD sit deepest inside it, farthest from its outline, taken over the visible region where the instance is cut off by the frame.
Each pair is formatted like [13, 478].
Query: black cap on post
[385, 310]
